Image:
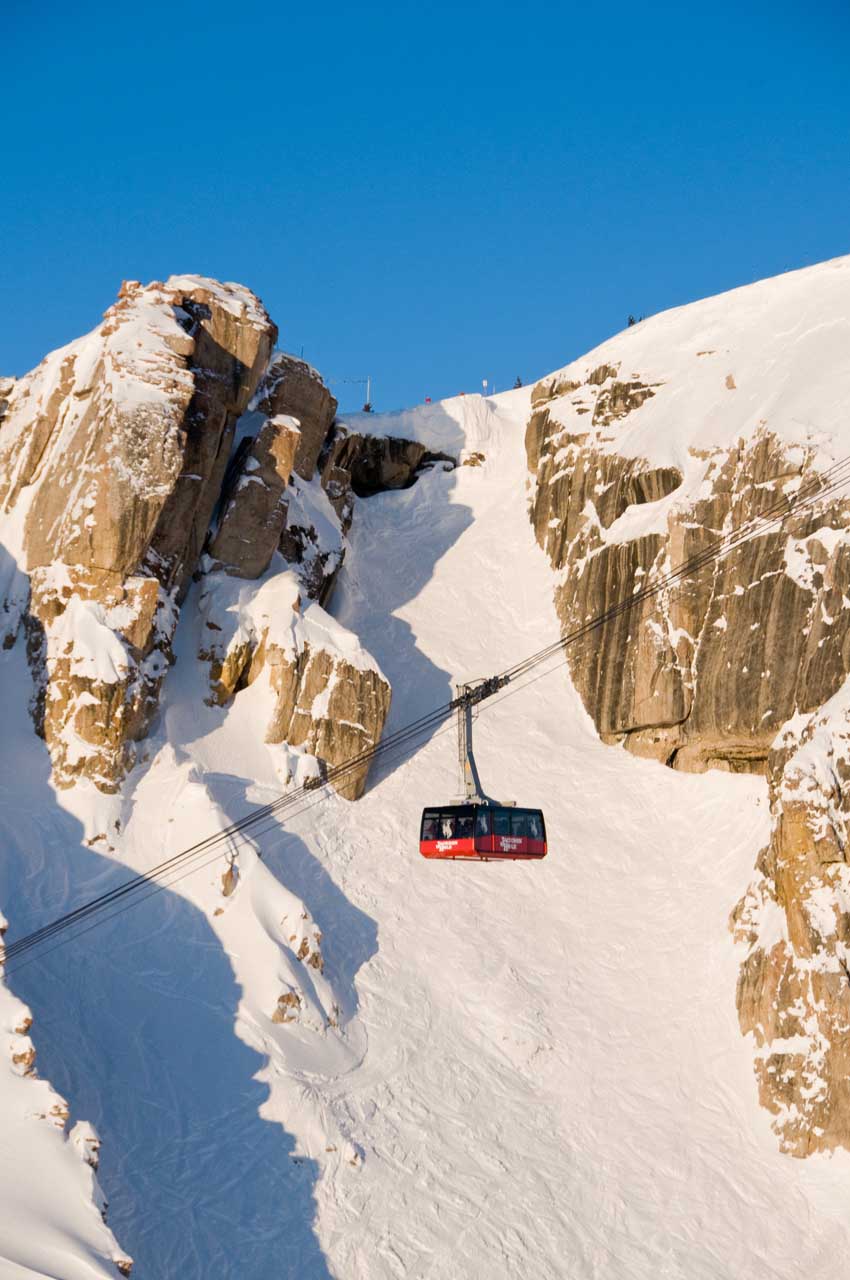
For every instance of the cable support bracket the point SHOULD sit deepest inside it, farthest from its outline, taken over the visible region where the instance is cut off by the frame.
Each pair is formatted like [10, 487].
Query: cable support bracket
[472, 695]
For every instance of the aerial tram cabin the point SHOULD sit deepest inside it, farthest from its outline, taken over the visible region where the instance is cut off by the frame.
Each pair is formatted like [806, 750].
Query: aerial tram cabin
[482, 831]
[479, 829]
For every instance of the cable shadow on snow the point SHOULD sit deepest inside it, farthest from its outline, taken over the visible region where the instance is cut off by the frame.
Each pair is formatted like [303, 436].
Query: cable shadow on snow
[349, 935]
[134, 1023]
[134, 1026]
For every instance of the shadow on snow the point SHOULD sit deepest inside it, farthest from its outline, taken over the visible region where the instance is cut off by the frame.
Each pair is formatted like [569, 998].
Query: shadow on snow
[134, 1025]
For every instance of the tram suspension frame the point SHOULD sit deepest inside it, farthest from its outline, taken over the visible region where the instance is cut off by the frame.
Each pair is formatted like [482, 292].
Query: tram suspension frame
[468, 696]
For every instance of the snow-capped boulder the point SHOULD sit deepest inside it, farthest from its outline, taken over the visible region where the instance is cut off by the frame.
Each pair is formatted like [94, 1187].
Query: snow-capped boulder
[328, 700]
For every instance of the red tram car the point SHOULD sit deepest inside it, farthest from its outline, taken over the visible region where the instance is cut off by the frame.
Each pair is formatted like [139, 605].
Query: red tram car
[482, 832]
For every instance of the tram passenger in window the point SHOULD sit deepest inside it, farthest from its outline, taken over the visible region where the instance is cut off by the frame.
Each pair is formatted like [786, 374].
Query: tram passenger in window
[464, 828]
[429, 829]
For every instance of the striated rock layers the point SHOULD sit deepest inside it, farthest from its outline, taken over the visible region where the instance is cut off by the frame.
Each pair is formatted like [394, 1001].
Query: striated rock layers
[169, 442]
[642, 458]
[112, 455]
[700, 675]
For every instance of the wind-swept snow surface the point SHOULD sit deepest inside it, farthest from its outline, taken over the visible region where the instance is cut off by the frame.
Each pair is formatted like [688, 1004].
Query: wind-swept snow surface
[498, 1070]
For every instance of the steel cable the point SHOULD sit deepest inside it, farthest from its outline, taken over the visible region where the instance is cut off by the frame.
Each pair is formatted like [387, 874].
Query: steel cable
[313, 792]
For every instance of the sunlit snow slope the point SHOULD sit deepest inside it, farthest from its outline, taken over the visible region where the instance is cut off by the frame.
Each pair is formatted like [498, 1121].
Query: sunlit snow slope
[537, 1069]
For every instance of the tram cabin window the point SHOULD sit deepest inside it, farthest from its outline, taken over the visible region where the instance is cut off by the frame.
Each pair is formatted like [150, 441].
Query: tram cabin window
[501, 822]
[431, 825]
[482, 822]
[519, 824]
[535, 829]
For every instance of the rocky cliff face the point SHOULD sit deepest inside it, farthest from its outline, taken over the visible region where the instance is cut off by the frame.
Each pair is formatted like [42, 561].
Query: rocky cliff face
[112, 455]
[169, 444]
[643, 455]
[329, 699]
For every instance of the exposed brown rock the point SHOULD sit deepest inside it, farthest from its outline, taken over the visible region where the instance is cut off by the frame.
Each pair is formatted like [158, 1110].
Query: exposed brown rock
[254, 509]
[117, 447]
[794, 993]
[705, 676]
[330, 705]
[23, 1056]
[377, 463]
[287, 1008]
[99, 645]
[292, 388]
[131, 434]
[336, 482]
[661, 678]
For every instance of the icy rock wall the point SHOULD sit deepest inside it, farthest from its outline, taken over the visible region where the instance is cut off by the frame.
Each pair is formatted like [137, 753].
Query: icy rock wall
[742, 667]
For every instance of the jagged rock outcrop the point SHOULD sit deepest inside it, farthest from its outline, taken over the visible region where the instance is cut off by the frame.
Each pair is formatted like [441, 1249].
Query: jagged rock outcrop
[254, 506]
[313, 539]
[169, 442]
[329, 700]
[331, 707]
[320, 511]
[127, 432]
[293, 389]
[682, 677]
[112, 456]
[794, 985]
[643, 456]
[372, 464]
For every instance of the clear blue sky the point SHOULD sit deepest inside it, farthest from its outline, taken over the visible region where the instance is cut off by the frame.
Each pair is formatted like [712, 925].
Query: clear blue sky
[430, 193]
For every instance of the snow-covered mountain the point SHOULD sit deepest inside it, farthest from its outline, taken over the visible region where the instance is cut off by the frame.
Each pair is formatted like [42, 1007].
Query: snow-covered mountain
[318, 1054]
